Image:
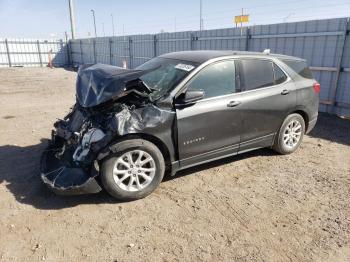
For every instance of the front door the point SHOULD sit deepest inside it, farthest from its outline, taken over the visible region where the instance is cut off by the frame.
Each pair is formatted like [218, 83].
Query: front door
[210, 128]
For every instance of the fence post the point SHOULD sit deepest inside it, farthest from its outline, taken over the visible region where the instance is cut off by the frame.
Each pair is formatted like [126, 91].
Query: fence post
[192, 39]
[155, 45]
[130, 53]
[339, 68]
[110, 41]
[94, 49]
[81, 52]
[69, 53]
[247, 38]
[8, 53]
[39, 53]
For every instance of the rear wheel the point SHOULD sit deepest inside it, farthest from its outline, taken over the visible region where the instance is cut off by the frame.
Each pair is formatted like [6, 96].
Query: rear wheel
[290, 134]
[134, 171]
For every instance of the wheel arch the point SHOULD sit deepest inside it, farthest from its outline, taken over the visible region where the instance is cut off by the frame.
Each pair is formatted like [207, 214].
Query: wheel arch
[150, 138]
[304, 115]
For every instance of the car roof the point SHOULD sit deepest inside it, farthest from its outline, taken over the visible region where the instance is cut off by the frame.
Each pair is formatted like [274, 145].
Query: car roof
[201, 56]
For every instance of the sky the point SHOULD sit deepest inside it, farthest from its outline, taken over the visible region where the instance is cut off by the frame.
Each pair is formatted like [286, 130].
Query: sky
[50, 18]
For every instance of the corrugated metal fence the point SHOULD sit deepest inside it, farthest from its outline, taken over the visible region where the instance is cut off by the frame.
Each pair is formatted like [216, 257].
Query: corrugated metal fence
[29, 52]
[324, 43]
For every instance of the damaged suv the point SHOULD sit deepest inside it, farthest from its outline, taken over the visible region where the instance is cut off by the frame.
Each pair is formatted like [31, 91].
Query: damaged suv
[129, 127]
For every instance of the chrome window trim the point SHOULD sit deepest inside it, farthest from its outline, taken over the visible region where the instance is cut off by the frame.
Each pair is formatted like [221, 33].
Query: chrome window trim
[274, 62]
[179, 88]
[240, 93]
[215, 97]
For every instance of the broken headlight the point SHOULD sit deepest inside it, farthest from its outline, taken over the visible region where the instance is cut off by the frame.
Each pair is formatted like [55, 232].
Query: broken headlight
[93, 135]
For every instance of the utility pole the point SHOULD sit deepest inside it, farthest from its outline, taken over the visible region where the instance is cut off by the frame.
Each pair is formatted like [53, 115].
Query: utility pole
[200, 15]
[103, 29]
[72, 18]
[93, 16]
[112, 24]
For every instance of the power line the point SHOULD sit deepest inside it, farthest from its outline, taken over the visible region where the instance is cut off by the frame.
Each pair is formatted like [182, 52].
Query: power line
[233, 11]
[254, 12]
[220, 18]
[260, 22]
[184, 28]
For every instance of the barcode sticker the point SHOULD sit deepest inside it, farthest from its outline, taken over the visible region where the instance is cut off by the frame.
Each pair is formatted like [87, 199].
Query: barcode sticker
[184, 67]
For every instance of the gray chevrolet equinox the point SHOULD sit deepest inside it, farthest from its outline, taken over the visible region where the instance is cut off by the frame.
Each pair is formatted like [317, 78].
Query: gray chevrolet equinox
[129, 127]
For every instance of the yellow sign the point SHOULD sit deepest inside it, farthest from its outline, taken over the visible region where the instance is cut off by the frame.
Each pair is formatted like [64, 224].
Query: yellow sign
[241, 19]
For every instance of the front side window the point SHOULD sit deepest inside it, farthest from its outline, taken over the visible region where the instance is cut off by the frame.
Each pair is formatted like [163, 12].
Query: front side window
[215, 79]
[255, 73]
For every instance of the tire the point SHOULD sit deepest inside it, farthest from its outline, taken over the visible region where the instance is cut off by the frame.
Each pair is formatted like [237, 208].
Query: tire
[280, 144]
[113, 175]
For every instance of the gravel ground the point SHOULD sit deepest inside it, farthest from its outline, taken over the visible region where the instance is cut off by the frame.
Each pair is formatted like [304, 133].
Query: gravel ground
[258, 206]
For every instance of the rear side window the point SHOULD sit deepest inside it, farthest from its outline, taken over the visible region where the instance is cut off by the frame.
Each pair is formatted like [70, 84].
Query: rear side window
[256, 74]
[280, 76]
[300, 67]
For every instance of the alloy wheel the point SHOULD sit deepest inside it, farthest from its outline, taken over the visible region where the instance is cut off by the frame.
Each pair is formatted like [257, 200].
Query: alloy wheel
[134, 170]
[292, 134]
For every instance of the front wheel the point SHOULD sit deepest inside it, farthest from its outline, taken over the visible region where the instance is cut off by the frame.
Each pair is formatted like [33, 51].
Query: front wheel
[134, 171]
[290, 135]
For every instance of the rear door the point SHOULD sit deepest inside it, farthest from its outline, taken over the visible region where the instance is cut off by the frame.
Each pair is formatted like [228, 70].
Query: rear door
[307, 96]
[210, 128]
[268, 94]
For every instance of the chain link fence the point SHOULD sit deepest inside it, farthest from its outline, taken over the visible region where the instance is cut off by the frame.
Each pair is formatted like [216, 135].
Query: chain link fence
[32, 52]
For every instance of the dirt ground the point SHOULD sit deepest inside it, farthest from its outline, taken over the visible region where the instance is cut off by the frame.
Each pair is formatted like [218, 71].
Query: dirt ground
[259, 206]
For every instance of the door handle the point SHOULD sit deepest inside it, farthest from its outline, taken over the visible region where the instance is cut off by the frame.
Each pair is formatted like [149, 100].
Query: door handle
[233, 103]
[285, 92]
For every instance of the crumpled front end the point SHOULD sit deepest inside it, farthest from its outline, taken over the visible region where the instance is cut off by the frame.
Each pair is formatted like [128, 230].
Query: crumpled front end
[111, 102]
[67, 164]
[70, 164]
[99, 83]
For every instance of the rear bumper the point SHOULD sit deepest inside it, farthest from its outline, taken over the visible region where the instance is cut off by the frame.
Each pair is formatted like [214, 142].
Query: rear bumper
[311, 125]
[64, 179]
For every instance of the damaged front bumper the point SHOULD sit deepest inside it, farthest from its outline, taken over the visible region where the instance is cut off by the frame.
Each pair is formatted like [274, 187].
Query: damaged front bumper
[85, 137]
[64, 178]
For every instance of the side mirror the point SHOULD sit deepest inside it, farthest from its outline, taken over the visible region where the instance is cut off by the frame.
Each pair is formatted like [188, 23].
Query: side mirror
[190, 97]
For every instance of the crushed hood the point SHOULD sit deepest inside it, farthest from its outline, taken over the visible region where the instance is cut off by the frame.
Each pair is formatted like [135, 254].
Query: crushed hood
[99, 83]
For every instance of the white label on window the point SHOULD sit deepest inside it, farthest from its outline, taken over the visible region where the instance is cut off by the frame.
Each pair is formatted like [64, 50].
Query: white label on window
[184, 67]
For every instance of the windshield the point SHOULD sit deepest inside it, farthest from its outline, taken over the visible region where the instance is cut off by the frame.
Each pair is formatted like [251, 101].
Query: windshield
[166, 75]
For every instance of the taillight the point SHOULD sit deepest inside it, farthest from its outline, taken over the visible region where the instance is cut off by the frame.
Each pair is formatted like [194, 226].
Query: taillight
[317, 88]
